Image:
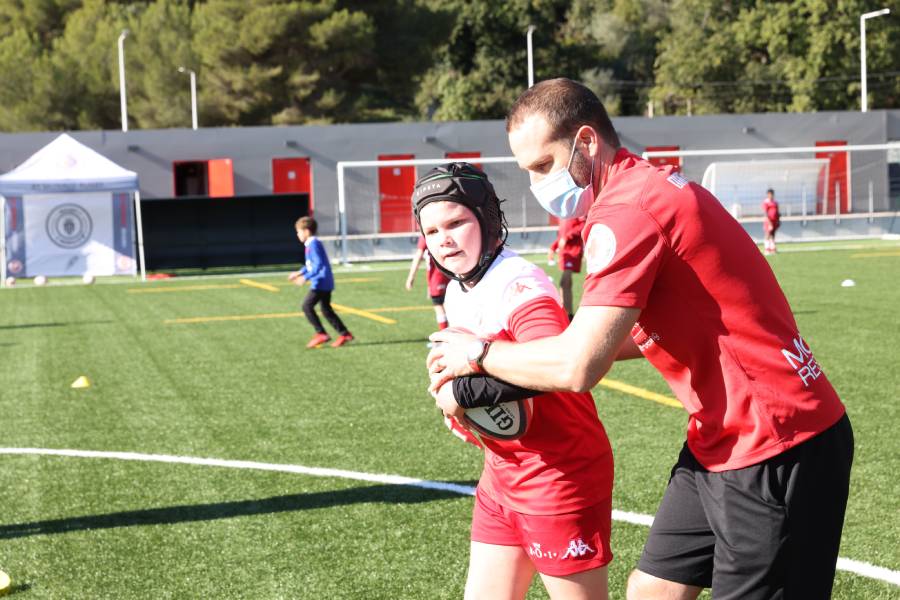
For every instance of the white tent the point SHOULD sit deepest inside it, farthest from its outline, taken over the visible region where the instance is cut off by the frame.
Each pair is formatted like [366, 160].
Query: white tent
[69, 210]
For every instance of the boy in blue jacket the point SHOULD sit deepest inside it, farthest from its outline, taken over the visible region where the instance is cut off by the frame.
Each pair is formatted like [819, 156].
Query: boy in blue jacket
[317, 271]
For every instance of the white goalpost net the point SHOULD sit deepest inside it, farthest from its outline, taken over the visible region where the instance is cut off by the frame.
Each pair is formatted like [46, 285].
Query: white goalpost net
[741, 185]
[830, 179]
[374, 200]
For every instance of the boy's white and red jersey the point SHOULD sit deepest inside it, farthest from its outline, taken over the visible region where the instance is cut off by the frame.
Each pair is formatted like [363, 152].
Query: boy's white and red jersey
[713, 319]
[564, 461]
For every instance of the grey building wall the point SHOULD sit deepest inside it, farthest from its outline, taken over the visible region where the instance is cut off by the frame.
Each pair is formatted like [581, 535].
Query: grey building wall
[151, 153]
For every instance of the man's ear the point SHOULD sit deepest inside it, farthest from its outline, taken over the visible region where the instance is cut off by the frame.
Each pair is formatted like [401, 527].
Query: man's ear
[590, 139]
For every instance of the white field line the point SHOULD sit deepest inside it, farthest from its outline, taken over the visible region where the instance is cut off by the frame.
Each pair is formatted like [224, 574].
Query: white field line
[844, 564]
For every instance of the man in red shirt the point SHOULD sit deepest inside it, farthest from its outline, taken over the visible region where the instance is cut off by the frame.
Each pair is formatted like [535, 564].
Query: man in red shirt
[772, 222]
[568, 249]
[755, 503]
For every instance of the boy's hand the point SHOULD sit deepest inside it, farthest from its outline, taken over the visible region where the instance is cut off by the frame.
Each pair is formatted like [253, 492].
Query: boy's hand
[447, 358]
[409, 283]
[446, 401]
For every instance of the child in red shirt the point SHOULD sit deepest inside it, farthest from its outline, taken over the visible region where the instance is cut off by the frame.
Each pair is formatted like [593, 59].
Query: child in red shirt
[543, 502]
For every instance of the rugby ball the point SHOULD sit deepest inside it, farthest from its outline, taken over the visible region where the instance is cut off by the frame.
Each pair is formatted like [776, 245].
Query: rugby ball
[504, 420]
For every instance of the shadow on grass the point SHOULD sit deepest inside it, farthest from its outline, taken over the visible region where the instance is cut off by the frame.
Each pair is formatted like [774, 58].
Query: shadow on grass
[388, 494]
[19, 587]
[39, 325]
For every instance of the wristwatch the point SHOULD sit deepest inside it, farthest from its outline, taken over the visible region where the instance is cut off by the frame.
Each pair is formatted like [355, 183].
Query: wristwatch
[476, 350]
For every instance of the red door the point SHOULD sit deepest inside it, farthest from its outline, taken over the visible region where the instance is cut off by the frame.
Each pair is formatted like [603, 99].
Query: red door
[395, 187]
[221, 178]
[292, 176]
[838, 178]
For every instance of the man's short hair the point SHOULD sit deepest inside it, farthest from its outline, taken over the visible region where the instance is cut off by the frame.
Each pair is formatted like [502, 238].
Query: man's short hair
[770, 191]
[567, 105]
[306, 223]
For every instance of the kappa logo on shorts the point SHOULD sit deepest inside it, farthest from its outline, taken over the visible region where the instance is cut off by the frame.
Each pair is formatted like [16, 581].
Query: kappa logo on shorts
[576, 549]
[677, 180]
[600, 248]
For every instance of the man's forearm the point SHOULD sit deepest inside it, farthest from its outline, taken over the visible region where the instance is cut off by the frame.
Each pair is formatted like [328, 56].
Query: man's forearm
[574, 361]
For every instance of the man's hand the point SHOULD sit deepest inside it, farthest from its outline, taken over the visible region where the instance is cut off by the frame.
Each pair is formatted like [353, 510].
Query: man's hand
[409, 284]
[447, 358]
[293, 275]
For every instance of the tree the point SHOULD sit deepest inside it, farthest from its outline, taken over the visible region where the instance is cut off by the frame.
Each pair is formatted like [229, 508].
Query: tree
[619, 39]
[482, 67]
[280, 62]
[158, 95]
[743, 56]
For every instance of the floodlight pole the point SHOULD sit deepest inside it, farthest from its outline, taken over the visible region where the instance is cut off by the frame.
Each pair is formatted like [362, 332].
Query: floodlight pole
[193, 95]
[123, 102]
[864, 103]
[528, 36]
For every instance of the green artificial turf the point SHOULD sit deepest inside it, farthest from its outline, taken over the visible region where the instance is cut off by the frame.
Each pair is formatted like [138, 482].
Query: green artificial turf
[247, 389]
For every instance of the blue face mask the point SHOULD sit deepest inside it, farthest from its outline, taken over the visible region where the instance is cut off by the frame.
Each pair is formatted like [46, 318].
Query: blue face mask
[560, 196]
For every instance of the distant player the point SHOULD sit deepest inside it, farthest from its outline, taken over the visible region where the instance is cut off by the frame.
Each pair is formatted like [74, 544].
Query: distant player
[567, 250]
[317, 272]
[543, 502]
[437, 281]
[772, 222]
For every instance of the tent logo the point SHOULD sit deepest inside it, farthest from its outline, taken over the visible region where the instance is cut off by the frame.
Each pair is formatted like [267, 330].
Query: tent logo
[69, 226]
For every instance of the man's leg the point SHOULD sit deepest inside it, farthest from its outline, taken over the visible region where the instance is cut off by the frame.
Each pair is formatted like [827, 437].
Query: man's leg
[677, 561]
[778, 524]
[642, 585]
[816, 504]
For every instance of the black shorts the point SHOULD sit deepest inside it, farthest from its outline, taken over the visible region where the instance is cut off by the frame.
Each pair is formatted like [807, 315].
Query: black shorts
[770, 530]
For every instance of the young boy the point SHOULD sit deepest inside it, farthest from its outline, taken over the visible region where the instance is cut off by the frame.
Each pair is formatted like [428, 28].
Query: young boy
[570, 248]
[317, 271]
[772, 222]
[543, 502]
[437, 281]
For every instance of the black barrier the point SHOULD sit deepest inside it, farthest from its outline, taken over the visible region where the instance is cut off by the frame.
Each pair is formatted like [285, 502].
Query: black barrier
[203, 233]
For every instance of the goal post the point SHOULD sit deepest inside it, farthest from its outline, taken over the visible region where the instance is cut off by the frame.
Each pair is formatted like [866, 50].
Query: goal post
[375, 196]
[830, 178]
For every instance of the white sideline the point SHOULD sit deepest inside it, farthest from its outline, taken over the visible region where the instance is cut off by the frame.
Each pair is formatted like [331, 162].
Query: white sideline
[844, 564]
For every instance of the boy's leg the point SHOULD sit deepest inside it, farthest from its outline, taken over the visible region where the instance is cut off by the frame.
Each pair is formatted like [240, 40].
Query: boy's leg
[565, 287]
[309, 309]
[586, 585]
[440, 314]
[498, 572]
[571, 551]
[498, 565]
[329, 314]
